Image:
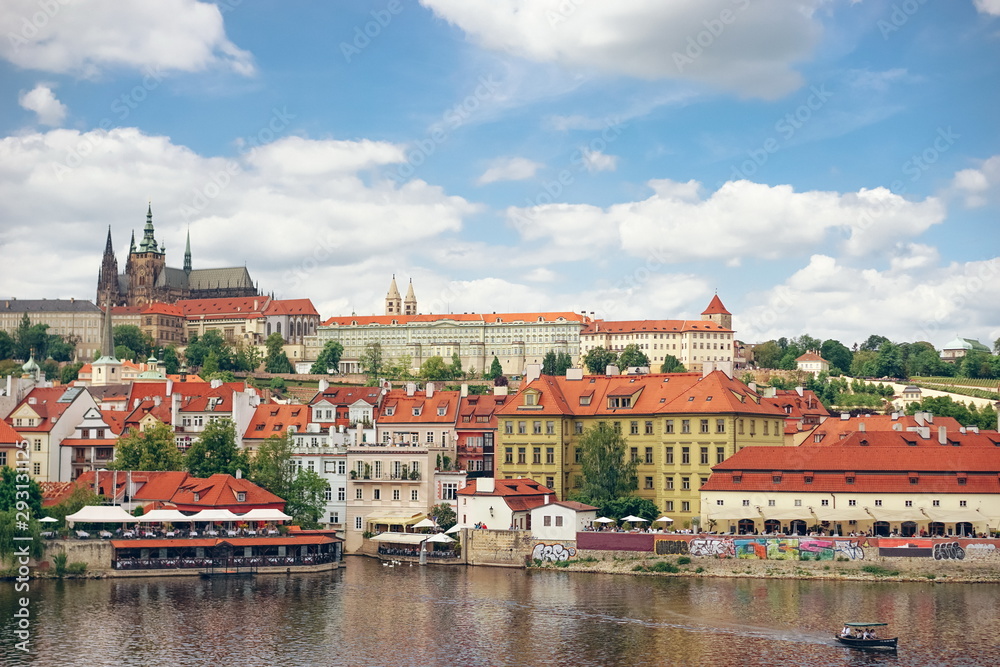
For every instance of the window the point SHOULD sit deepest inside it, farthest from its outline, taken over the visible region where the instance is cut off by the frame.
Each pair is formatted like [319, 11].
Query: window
[765, 427]
[3, 459]
[414, 495]
[359, 493]
[576, 454]
[776, 479]
[430, 437]
[449, 491]
[508, 455]
[798, 503]
[824, 503]
[849, 480]
[962, 480]
[878, 503]
[536, 455]
[38, 444]
[550, 455]
[395, 494]
[550, 482]
[703, 425]
[852, 503]
[522, 428]
[579, 428]
[521, 451]
[669, 455]
[720, 454]
[669, 505]
[685, 456]
[685, 483]
[341, 493]
[559, 522]
[668, 426]
[357, 523]
[508, 427]
[546, 520]
[550, 428]
[685, 426]
[962, 503]
[670, 484]
[633, 454]
[909, 503]
[740, 423]
[241, 496]
[770, 503]
[704, 456]
[936, 503]
[376, 494]
[649, 428]
[633, 428]
[648, 483]
[685, 506]
[649, 455]
[36, 468]
[720, 425]
[536, 428]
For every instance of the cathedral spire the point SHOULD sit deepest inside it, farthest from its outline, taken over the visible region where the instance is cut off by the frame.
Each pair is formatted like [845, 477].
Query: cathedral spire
[148, 243]
[107, 279]
[187, 253]
[108, 248]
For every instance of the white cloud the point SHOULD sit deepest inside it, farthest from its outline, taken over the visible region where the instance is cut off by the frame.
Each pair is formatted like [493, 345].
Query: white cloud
[595, 161]
[742, 46]
[85, 38]
[976, 185]
[829, 299]
[509, 169]
[740, 219]
[43, 102]
[296, 211]
[988, 6]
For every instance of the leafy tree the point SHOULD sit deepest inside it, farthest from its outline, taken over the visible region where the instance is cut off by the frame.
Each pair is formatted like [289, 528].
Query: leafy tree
[435, 369]
[79, 497]
[607, 473]
[874, 343]
[805, 342]
[444, 515]
[70, 372]
[31, 495]
[767, 354]
[132, 337]
[564, 362]
[549, 363]
[632, 356]
[328, 360]
[60, 349]
[271, 465]
[966, 414]
[210, 366]
[6, 345]
[171, 363]
[28, 337]
[630, 505]
[215, 452]
[306, 501]
[996, 346]
[976, 364]
[598, 359]
[277, 384]
[401, 368]
[152, 449]
[247, 358]
[456, 366]
[864, 363]
[672, 364]
[838, 354]
[276, 360]
[372, 362]
[495, 371]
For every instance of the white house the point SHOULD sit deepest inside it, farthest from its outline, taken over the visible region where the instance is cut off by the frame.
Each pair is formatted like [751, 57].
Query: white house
[561, 520]
[501, 503]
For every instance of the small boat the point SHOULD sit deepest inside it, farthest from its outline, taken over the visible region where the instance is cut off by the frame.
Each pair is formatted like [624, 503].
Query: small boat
[859, 642]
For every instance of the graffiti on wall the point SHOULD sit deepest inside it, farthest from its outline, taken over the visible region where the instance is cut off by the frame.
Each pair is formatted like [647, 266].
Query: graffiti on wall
[718, 547]
[762, 548]
[905, 547]
[552, 552]
[949, 551]
[670, 548]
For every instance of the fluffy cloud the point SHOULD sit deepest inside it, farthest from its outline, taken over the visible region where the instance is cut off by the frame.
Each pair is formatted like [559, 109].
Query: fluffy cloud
[509, 169]
[975, 185]
[740, 219]
[85, 38]
[595, 161]
[988, 6]
[830, 299]
[43, 102]
[295, 211]
[738, 45]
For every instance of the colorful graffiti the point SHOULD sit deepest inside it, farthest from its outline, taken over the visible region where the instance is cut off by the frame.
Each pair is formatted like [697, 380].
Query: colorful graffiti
[712, 546]
[764, 548]
[552, 552]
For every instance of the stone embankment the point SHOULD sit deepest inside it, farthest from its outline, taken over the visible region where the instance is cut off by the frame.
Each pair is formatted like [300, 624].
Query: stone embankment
[877, 569]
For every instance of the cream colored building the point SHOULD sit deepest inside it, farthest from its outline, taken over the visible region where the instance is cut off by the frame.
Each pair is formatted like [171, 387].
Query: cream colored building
[76, 320]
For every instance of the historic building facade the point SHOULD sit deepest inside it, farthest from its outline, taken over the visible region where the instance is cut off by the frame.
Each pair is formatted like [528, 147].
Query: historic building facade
[148, 279]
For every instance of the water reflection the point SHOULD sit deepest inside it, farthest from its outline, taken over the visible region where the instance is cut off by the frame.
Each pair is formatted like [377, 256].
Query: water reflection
[372, 615]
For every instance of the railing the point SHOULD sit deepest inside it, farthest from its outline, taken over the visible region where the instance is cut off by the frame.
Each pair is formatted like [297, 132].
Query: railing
[236, 561]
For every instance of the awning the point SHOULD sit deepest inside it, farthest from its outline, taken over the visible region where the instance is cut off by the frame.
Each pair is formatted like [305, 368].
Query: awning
[394, 519]
[213, 515]
[956, 516]
[400, 538]
[100, 514]
[842, 514]
[154, 516]
[735, 513]
[788, 513]
[264, 515]
[882, 514]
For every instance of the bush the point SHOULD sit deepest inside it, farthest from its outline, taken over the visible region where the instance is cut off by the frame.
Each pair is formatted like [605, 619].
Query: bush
[664, 566]
[879, 571]
[76, 568]
[59, 563]
[639, 568]
[683, 560]
[699, 570]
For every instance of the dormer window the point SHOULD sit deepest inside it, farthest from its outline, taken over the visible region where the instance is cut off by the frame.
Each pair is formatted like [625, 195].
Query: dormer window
[390, 411]
[530, 398]
[197, 496]
[585, 400]
[416, 412]
[241, 496]
[442, 411]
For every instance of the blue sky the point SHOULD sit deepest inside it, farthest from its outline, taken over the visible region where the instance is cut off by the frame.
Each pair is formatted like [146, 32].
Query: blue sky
[829, 167]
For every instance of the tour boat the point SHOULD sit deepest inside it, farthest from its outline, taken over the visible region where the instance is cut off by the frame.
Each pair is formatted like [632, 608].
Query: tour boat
[856, 642]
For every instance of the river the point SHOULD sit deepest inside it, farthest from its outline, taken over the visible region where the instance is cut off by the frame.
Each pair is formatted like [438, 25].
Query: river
[369, 614]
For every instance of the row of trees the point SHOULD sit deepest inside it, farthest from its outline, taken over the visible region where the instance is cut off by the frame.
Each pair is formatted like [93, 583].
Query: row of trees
[877, 356]
[215, 452]
[598, 359]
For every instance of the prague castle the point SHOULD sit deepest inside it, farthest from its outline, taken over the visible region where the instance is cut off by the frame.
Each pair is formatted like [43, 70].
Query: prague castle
[148, 279]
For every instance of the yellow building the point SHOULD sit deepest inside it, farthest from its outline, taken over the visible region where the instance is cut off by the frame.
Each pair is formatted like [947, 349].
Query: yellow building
[677, 425]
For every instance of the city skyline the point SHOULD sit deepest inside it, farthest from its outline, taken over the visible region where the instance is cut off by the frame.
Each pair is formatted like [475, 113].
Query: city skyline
[828, 168]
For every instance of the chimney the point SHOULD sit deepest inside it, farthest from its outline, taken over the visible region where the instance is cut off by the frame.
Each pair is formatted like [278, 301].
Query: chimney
[610, 370]
[897, 427]
[972, 429]
[430, 390]
[546, 501]
[323, 385]
[500, 391]
[942, 435]
[895, 416]
[861, 427]
[574, 373]
[464, 391]
[486, 484]
[925, 432]
[175, 408]
[844, 416]
[929, 416]
[752, 386]
[798, 390]
[532, 372]
[216, 383]
[411, 388]
[919, 418]
[170, 387]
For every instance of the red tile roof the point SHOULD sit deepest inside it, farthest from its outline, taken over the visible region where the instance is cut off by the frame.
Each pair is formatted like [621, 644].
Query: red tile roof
[600, 327]
[811, 356]
[715, 307]
[291, 307]
[251, 305]
[345, 396]
[504, 318]
[54, 493]
[834, 429]
[163, 309]
[179, 488]
[402, 407]
[573, 505]
[8, 436]
[477, 408]
[274, 419]
[508, 487]
[44, 401]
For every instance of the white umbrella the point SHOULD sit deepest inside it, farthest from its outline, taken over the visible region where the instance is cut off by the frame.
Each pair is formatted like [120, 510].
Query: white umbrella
[425, 523]
[47, 519]
[604, 519]
[439, 538]
[665, 519]
[632, 518]
[454, 529]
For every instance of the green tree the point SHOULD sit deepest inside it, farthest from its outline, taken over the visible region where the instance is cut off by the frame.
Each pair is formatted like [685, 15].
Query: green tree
[30, 498]
[277, 384]
[874, 343]
[996, 346]
[632, 356]
[607, 473]
[444, 515]
[672, 364]
[210, 366]
[549, 363]
[276, 360]
[152, 449]
[630, 505]
[60, 349]
[306, 501]
[564, 362]
[247, 358]
[30, 337]
[768, 354]
[864, 363]
[372, 362]
[271, 466]
[598, 359]
[455, 371]
[495, 371]
[6, 345]
[328, 360]
[215, 451]
[171, 363]
[838, 354]
[435, 369]
[70, 372]
[132, 337]
[79, 497]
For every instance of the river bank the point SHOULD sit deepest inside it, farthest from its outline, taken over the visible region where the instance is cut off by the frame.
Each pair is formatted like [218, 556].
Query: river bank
[896, 569]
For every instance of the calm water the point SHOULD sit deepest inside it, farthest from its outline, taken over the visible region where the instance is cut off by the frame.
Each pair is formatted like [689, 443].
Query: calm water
[367, 614]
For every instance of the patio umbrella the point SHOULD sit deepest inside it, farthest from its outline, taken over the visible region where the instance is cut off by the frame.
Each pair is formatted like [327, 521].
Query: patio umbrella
[454, 529]
[439, 538]
[665, 519]
[632, 518]
[604, 519]
[47, 519]
[425, 523]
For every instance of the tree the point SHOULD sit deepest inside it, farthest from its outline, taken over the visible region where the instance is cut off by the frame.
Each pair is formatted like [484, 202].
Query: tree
[549, 363]
[306, 501]
[874, 343]
[247, 358]
[215, 452]
[276, 360]
[372, 363]
[996, 346]
[69, 372]
[805, 342]
[495, 371]
[672, 364]
[6, 345]
[328, 360]
[564, 362]
[598, 359]
[210, 366]
[444, 516]
[630, 505]
[19, 494]
[171, 363]
[132, 337]
[435, 369]
[864, 363]
[80, 497]
[456, 366]
[607, 474]
[11, 486]
[152, 449]
[271, 465]
[767, 354]
[838, 354]
[632, 356]
[60, 349]
[30, 337]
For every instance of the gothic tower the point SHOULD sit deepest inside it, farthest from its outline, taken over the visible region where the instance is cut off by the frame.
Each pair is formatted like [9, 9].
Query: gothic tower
[107, 279]
[393, 302]
[187, 255]
[147, 264]
[410, 302]
[717, 313]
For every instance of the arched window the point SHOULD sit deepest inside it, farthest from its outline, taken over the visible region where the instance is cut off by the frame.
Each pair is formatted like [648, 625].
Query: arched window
[277, 328]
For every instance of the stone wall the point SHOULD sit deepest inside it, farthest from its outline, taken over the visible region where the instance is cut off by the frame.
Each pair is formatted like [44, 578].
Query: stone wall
[505, 548]
[96, 554]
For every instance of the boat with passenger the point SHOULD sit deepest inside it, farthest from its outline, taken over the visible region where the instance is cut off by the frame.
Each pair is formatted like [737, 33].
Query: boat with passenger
[864, 635]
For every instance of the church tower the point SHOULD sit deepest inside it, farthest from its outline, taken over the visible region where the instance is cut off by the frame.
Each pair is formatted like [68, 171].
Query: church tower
[393, 302]
[147, 265]
[716, 312]
[106, 369]
[107, 279]
[187, 255]
[410, 302]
